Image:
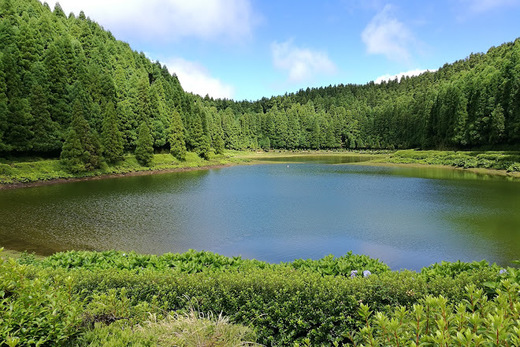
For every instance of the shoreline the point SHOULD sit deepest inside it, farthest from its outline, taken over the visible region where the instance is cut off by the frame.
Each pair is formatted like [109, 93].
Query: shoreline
[254, 158]
[53, 181]
[476, 170]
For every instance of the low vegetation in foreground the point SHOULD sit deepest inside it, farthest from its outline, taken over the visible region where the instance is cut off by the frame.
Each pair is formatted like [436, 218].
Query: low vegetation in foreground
[205, 299]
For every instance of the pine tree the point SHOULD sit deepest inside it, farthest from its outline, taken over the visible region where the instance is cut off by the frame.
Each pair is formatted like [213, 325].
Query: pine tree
[496, 125]
[57, 78]
[176, 138]
[89, 141]
[159, 113]
[200, 140]
[144, 149]
[3, 107]
[73, 156]
[143, 99]
[218, 142]
[19, 133]
[230, 129]
[112, 138]
[46, 137]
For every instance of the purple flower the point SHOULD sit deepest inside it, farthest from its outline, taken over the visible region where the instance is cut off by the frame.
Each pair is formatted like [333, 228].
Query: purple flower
[353, 273]
[503, 271]
[366, 273]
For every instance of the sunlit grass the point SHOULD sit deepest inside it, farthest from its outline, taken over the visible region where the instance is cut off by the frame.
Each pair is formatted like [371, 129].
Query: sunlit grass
[48, 169]
[192, 329]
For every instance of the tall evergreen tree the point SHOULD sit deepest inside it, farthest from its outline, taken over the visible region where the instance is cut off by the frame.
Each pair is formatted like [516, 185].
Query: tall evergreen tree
[199, 140]
[46, 136]
[90, 145]
[112, 138]
[57, 78]
[176, 138]
[217, 140]
[73, 156]
[144, 150]
[3, 107]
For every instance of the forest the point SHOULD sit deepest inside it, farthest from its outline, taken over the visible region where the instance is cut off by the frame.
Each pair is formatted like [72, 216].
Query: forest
[69, 89]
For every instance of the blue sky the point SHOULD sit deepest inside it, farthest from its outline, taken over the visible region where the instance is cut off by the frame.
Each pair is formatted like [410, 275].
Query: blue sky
[249, 49]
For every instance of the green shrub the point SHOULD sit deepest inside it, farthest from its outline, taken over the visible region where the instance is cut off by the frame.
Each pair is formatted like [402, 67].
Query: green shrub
[188, 262]
[36, 310]
[434, 321]
[6, 170]
[307, 302]
[283, 304]
[509, 161]
[514, 167]
[347, 265]
[453, 269]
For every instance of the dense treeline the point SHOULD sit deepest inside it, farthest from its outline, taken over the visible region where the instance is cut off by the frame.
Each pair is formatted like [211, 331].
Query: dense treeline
[471, 103]
[68, 88]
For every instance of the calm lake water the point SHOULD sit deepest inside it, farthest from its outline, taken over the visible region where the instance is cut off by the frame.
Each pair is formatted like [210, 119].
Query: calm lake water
[407, 217]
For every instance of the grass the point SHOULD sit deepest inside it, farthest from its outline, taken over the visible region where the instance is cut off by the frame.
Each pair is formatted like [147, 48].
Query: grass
[40, 170]
[27, 171]
[191, 329]
[495, 160]
[6, 253]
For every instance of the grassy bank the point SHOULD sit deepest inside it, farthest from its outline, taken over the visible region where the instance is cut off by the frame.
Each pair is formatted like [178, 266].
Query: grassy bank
[115, 298]
[24, 172]
[19, 173]
[37, 170]
[506, 161]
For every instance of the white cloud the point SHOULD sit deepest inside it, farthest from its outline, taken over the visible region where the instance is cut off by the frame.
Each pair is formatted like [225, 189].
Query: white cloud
[169, 19]
[386, 35]
[479, 6]
[302, 64]
[196, 79]
[400, 75]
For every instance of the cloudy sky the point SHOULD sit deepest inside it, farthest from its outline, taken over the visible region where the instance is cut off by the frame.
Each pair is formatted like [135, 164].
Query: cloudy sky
[248, 49]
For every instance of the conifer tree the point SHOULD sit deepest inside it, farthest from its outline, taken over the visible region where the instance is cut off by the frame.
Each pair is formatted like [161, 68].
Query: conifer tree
[112, 138]
[57, 78]
[218, 141]
[3, 107]
[143, 99]
[200, 140]
[144, 149]
[89, 142]
[176, 138]
[73, 157]
[46, 137]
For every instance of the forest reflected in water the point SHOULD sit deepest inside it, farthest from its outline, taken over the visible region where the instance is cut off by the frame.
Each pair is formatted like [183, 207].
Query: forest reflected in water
[407, 217]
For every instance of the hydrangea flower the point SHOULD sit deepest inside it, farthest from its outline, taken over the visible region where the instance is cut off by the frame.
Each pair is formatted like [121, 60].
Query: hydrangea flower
[366, 273]
[353, 273]
[503, 271]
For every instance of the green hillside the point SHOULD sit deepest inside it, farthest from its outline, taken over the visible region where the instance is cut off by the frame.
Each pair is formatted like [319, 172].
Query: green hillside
[68, 88]
[472, 103]
[67, 84]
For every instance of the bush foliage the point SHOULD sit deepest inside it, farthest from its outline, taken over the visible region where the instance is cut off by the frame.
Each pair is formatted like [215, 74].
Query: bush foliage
[131, 297]
[509, 161]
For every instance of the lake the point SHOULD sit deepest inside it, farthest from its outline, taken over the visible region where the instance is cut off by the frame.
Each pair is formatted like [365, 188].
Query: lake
[407, 217]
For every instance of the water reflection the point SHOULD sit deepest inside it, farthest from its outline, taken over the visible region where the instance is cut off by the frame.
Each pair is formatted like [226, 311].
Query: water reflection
[407, 217]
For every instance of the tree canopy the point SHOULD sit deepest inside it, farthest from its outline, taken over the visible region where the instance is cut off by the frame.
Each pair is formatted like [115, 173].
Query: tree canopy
[58, 72]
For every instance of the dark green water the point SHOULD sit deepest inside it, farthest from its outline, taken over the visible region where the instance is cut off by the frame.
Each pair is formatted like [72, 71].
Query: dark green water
[409, 218]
